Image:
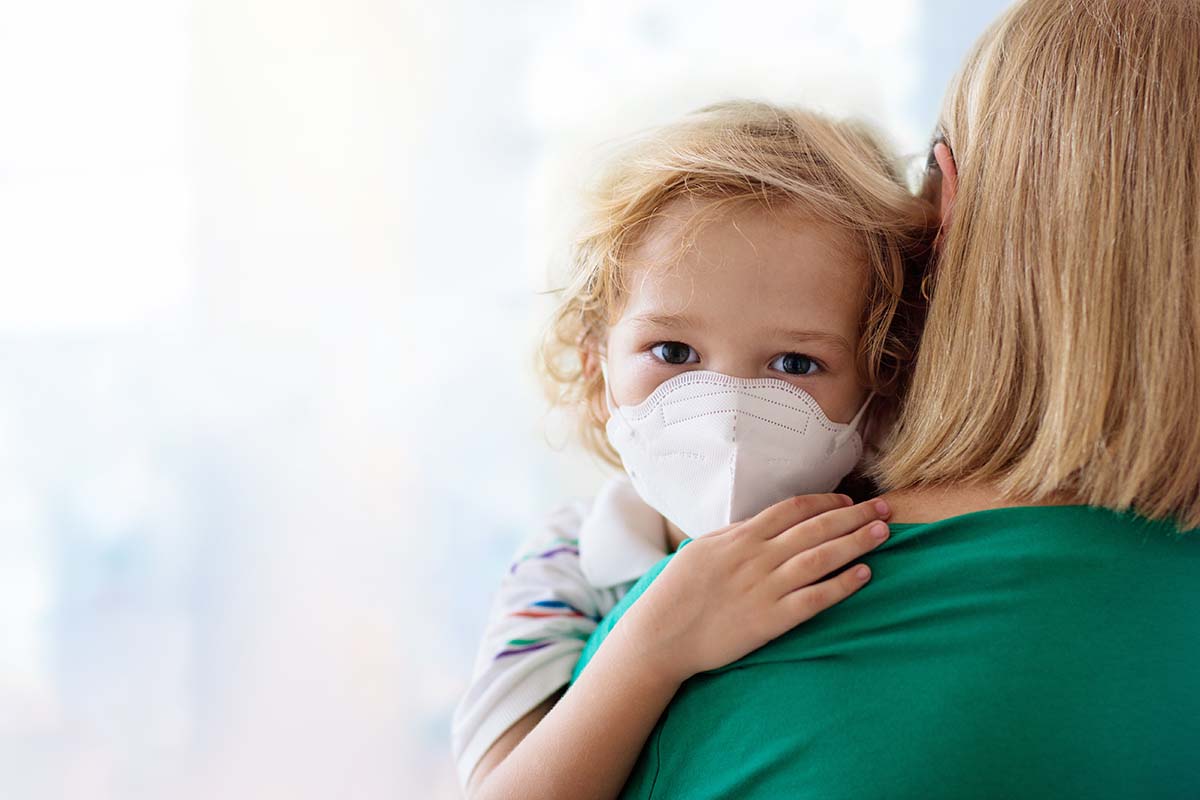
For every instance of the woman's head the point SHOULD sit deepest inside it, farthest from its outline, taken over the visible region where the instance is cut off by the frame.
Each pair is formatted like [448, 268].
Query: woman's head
[718, 242]
[1061, 356]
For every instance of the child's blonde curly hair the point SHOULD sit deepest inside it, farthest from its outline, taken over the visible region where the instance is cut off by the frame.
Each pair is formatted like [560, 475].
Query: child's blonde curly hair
[745, 152]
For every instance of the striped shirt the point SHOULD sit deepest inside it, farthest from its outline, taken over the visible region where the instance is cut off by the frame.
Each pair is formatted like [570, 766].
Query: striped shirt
[564, 578]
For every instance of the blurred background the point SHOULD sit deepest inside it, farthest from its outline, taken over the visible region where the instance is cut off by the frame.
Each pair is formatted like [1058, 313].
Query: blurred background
[269, 425]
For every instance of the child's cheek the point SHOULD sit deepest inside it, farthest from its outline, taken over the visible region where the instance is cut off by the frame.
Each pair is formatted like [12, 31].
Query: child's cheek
[633, 377]
[839, 399]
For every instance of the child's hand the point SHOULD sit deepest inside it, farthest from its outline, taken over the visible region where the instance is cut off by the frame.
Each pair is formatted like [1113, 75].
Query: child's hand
[730, 592]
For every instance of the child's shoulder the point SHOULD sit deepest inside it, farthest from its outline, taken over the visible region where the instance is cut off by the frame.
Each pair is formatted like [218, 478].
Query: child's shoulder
[565, 522]
[550, 552]
[599, 537]
[559, 527]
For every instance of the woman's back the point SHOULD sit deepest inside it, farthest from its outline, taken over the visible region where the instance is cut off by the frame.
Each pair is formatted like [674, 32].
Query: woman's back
[1021, 652]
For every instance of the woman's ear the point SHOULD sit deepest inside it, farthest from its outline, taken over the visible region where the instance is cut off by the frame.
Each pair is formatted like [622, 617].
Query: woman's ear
[949, 182]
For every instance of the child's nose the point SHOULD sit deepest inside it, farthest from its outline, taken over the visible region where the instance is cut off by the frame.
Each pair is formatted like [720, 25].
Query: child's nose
[737, 366]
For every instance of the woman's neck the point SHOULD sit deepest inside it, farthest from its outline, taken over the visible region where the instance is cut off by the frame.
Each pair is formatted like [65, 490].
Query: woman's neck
[932, 503]
[924, 504]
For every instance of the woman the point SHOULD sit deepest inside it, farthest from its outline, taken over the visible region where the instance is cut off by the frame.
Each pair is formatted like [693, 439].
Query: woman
[1033, 624]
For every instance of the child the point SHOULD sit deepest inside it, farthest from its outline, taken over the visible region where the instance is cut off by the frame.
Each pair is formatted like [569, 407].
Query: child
[742, 295]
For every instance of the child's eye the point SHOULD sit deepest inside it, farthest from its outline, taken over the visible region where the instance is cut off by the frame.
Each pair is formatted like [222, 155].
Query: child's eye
[795, 364]
[675, 353]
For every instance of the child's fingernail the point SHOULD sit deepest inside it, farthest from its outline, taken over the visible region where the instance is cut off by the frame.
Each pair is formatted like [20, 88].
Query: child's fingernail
[879, 531]
[846, 500]
[882, 508]
[862, 572]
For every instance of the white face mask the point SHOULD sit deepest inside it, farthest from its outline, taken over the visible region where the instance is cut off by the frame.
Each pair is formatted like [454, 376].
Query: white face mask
[706, 449]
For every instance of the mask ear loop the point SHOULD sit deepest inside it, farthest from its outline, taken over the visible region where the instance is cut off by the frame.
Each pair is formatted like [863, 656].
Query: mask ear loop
[614, 410]
[852, 425]
[610, 402]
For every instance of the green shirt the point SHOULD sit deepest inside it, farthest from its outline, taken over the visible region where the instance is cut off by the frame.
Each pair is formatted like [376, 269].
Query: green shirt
[1011, 653]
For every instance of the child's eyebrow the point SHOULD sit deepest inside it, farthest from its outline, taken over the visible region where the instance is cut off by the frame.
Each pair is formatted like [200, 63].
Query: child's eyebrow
[800, 337]
[797, 337]
[664, 320]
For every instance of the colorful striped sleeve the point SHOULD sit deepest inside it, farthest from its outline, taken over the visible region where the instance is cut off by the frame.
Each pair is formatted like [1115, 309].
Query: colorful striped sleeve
[542, 614]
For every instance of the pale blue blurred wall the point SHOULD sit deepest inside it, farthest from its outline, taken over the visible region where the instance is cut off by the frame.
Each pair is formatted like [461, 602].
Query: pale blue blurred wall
[269, 428]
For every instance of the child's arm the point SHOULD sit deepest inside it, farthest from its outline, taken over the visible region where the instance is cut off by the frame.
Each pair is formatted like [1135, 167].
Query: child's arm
[509, 740]
[719, 598]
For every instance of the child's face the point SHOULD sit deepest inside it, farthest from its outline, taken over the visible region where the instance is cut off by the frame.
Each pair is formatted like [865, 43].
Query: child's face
[758, 294]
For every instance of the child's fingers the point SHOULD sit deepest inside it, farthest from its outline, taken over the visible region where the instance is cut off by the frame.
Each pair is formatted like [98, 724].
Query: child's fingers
[775, 519]
[726, 529]
[804, 604]
[828, 526]
[811, 565]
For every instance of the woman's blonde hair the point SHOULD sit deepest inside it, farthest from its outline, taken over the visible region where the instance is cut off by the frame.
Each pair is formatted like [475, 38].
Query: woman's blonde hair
[738, 152]
[1061, 355]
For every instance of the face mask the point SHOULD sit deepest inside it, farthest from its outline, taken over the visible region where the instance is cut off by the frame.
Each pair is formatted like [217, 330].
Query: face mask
[706, 449]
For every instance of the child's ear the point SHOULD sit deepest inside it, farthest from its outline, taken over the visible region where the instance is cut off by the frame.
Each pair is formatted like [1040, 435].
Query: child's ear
[590, 356]
[590, 360]
[591, 353]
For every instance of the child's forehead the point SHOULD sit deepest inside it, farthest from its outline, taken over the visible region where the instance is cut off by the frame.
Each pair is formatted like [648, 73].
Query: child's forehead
[753, 236]
[720, 261]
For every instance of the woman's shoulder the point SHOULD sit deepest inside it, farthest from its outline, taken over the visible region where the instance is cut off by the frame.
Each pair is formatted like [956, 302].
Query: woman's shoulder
[980, 647]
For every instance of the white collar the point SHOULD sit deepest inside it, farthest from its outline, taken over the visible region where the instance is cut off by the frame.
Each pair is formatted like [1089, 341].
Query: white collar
[622, 537]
